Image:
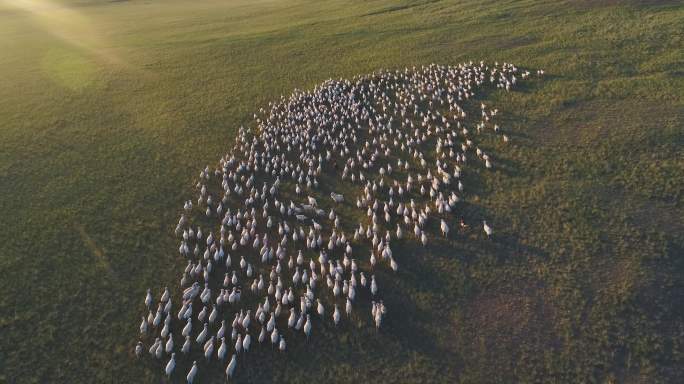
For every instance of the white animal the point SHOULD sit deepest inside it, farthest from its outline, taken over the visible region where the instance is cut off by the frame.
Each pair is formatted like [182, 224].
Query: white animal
[171, 365]
[336, 197]
[444, 227]
[487, 228]
[192, 373]
[230, 369]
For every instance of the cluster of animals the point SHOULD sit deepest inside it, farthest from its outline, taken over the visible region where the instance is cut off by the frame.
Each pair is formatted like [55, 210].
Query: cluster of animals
[267, 249]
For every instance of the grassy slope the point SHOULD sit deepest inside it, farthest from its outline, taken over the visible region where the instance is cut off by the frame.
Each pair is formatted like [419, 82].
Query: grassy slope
[108, 110]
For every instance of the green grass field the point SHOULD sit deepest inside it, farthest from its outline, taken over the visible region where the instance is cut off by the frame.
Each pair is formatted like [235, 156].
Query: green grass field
[109, 109]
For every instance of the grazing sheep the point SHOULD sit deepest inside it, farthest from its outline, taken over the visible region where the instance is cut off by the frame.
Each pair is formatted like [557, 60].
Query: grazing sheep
[413, 118]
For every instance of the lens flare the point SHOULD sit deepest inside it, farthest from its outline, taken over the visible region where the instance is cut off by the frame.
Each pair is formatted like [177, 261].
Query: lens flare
[71, 27]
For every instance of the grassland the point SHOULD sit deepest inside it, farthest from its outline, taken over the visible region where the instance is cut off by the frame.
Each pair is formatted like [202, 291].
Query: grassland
[108, 110]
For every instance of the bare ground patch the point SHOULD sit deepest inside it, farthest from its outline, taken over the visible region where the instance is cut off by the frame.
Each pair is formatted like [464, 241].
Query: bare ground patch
[508, 321]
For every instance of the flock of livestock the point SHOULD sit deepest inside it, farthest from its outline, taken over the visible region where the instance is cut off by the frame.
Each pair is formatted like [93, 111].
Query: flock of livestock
[269, 254]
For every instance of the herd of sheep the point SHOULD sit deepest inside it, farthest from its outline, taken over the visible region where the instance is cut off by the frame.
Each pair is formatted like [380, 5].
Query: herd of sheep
[270, 254]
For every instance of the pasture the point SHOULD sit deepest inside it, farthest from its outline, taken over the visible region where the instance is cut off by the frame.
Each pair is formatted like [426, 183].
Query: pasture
[109, 110]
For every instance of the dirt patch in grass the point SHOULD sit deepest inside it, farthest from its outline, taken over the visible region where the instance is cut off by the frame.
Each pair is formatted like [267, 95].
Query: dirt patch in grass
[593, 121]
[515, 42]
[516, 313]
[655, 215]
[511, 321]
